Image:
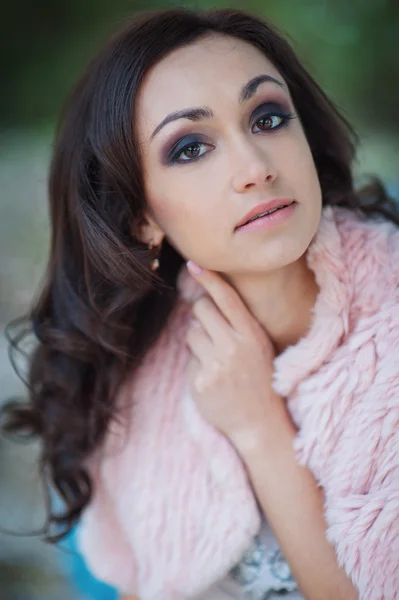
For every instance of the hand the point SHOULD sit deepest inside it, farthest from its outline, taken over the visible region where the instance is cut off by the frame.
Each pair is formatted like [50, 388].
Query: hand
[231, 363]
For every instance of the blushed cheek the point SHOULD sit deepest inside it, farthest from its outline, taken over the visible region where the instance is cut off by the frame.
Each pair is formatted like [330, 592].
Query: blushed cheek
[177, 220]
[164, 209]
[159, 206]
[301, 167]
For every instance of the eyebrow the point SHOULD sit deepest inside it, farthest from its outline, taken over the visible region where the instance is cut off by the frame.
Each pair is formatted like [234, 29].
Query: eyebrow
[198, 114]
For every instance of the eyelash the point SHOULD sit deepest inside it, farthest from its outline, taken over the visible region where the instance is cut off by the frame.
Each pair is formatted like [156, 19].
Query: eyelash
[286, 117]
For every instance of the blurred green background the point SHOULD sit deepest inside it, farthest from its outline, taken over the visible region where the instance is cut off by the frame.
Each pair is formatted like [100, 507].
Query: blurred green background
[350, 48]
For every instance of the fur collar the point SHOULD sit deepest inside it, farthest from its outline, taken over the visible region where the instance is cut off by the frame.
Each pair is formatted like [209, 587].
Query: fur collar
[173, 510]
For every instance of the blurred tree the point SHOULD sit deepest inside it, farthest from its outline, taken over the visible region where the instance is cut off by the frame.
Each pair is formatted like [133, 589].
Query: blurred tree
[350, 47]
[43, 47]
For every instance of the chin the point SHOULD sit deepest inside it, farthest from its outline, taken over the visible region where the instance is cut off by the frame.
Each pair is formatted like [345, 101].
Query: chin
[287, 250]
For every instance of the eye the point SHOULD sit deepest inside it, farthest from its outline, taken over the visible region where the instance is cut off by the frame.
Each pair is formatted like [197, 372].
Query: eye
[193, 149]
[270, 116]
[190, 152]
[268, 122]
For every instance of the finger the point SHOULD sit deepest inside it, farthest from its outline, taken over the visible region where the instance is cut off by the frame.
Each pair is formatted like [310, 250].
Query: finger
[214, 323]
[199, 342]
[224, 295]
[193, 368]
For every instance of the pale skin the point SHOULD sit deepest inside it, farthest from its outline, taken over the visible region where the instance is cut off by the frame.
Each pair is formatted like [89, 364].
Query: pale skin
[259, 290]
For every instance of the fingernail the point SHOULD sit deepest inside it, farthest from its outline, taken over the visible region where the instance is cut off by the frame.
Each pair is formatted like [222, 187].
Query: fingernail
[194, 268]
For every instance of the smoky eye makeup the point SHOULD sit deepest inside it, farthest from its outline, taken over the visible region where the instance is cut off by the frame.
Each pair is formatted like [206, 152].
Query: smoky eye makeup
[271, 108]
[172, 148]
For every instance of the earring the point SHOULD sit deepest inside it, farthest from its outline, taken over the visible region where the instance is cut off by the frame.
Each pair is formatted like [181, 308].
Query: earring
[155, 262]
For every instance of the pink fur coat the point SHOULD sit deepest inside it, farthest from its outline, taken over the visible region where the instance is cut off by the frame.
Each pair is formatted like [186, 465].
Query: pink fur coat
[173, 511]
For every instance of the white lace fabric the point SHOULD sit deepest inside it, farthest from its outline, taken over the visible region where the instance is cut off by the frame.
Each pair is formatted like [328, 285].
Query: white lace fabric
[262, 574]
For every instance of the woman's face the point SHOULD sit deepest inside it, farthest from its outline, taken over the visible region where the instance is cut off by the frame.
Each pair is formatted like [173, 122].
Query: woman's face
[239, 148]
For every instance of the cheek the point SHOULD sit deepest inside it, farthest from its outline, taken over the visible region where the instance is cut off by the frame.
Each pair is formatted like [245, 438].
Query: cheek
[175, 208]
[300, 167]
[183, 218]
[185, 200]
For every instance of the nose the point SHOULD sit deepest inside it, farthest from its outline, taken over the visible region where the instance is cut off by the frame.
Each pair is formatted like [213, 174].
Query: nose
[254, 169]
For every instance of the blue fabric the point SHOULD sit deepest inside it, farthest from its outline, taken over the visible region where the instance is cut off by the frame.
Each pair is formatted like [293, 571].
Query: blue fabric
[393, 189]
[75, 569]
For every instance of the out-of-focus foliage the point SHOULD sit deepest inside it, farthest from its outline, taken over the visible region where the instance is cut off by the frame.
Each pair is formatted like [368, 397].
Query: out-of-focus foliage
[350, 46]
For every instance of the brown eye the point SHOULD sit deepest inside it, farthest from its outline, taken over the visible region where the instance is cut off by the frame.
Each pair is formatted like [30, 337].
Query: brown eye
[269, 122]
[192, 151]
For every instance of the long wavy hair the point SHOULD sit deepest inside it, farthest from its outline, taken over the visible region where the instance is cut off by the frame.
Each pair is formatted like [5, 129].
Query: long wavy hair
[101, 307]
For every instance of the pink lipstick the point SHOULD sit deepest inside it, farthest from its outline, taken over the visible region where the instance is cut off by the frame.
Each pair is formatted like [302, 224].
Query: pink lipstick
[267, 214]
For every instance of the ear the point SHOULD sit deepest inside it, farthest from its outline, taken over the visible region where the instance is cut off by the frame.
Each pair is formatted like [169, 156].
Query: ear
[149, 231]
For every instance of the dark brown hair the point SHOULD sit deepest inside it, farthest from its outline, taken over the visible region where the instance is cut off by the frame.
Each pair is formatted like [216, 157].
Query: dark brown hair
[101, 307]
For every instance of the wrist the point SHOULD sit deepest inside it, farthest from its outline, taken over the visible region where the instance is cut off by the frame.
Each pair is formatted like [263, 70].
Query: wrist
[248, 441]
[268, 432]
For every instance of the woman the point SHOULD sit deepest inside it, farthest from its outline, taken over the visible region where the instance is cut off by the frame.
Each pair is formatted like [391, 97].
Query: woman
[225, 428]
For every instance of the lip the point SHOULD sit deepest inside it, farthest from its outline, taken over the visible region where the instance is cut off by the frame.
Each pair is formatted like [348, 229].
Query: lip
[263, 207]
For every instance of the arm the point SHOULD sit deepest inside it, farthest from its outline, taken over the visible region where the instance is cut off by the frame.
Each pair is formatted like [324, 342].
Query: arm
[230, 374]
[293, 503]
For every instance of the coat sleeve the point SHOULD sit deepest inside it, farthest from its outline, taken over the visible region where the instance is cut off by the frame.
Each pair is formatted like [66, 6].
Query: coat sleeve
[102, 542]
[362, 498]
[365, 533]
[350, 441]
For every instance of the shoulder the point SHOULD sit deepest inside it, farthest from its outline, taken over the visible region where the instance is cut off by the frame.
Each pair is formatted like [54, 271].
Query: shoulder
[167, 357]
[360, 234]
[350, 432]
[370, 250]
[161, 372]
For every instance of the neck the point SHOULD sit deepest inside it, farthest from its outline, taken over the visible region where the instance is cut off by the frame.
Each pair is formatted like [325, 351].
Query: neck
[280, 300]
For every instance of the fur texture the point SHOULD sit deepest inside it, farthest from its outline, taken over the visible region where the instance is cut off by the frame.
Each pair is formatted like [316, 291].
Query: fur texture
[173, 510]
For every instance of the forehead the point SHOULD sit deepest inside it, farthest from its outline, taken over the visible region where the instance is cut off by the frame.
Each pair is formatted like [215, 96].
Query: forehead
[211, 69]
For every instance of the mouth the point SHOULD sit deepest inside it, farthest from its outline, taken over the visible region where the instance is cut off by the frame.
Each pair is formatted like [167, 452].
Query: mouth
[265, 209]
